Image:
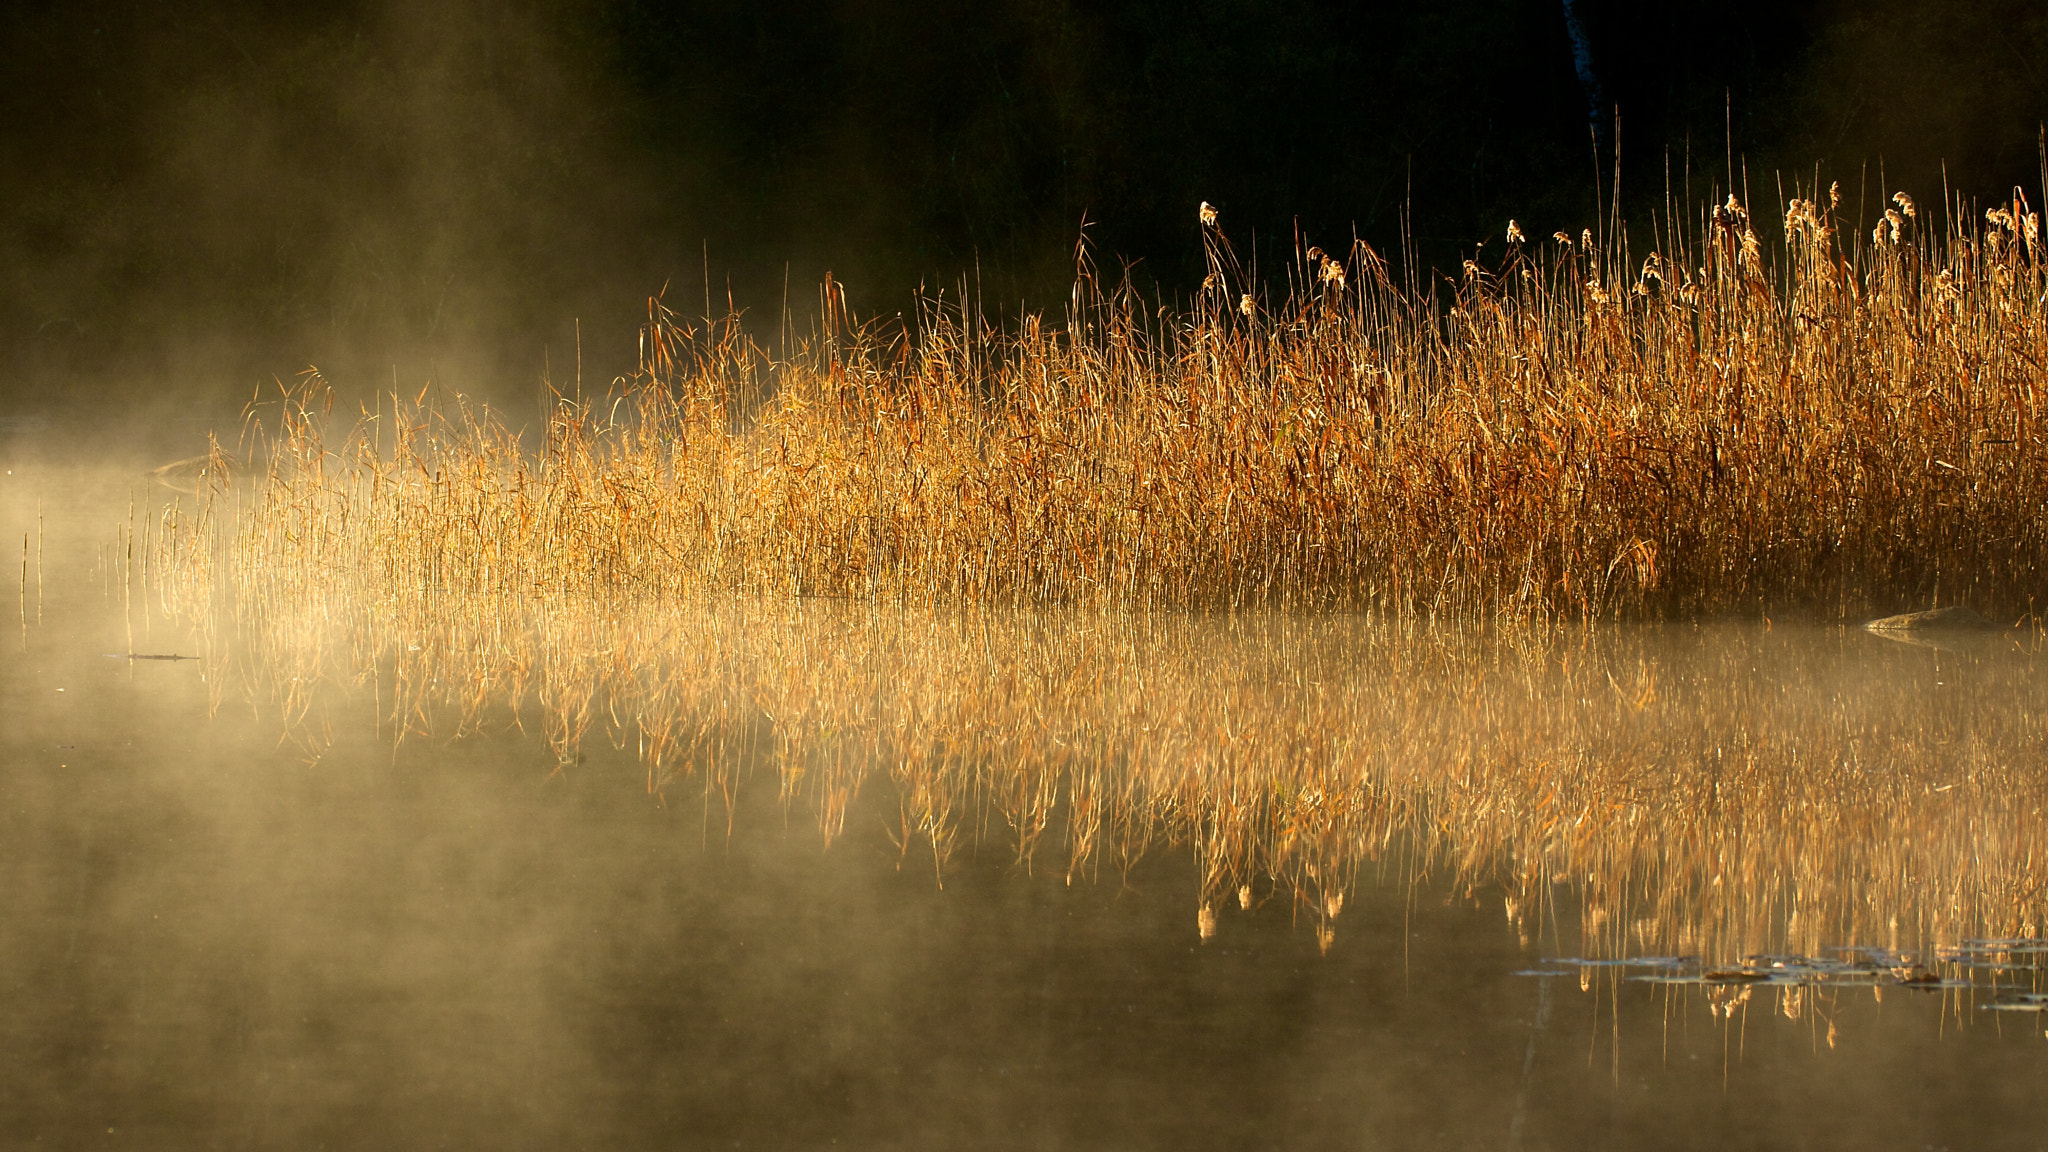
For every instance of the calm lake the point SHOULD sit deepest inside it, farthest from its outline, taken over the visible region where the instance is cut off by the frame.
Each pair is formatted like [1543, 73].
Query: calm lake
[809, 874]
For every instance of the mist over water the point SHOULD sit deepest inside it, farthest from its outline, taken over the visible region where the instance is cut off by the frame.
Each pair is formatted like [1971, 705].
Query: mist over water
[232, 926]
[808, 875]
[242, 929]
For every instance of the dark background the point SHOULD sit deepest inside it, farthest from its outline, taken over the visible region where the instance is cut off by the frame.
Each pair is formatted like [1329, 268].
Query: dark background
[195, 200]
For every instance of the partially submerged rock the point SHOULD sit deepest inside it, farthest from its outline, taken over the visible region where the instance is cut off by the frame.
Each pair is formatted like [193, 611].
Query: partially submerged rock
[1955, 618]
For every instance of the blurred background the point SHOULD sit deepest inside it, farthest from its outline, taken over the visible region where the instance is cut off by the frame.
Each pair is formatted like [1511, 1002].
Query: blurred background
[196, 200]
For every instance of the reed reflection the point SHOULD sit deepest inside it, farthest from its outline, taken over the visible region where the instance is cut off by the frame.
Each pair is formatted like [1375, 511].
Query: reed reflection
[1715, 791]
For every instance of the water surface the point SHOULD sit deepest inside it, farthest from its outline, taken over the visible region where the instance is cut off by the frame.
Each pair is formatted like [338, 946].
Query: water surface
[801, 875]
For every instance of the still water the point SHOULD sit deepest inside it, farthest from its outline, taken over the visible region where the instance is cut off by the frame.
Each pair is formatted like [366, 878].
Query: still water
[804, 876]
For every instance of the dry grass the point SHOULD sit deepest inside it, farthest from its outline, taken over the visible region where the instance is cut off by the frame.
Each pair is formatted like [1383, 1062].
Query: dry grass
[958, 557]
[1852, 429]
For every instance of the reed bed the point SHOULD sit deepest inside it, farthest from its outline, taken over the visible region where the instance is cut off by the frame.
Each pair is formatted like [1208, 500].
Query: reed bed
[1826, 427]
[985, 565]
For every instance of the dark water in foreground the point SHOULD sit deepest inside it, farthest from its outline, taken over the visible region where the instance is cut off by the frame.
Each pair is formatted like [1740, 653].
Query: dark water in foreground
[208, 940]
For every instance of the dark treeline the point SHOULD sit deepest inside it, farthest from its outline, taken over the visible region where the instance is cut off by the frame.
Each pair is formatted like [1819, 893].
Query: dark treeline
[194, 199]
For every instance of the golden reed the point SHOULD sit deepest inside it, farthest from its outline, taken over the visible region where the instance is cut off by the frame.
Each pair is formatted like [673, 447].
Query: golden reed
[960, 559]
[1847, 430]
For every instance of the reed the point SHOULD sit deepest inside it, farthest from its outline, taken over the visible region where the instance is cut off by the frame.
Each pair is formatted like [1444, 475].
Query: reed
[981, 563]
[1827, 427]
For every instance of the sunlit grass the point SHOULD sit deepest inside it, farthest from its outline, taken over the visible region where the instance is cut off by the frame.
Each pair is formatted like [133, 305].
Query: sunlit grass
[1564, 434]
[984, 565]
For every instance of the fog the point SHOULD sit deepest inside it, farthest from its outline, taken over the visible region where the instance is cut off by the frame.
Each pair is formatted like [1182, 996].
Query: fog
[222, 937]
[232, 921]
